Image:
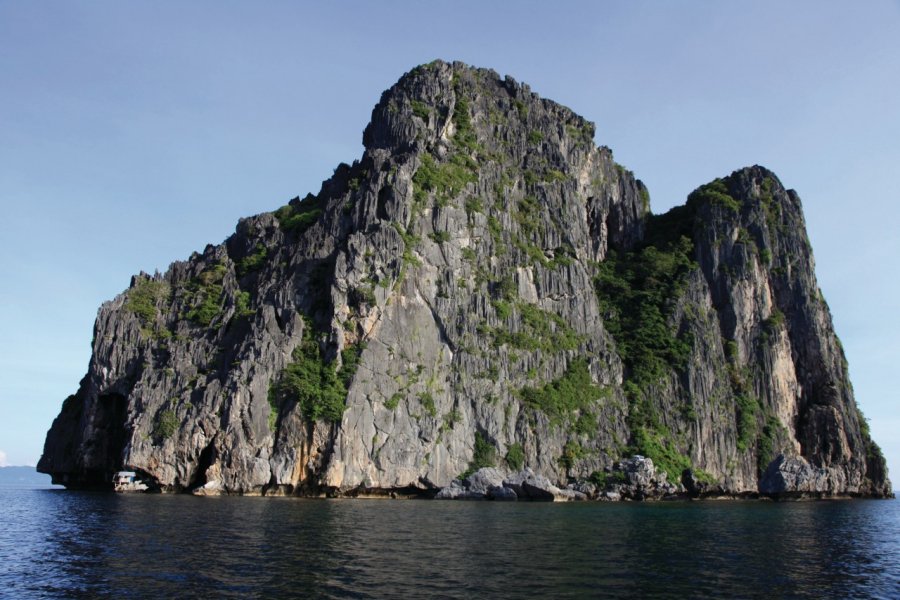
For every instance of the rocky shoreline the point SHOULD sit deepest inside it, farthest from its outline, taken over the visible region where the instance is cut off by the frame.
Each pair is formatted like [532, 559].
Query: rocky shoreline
[637, 479]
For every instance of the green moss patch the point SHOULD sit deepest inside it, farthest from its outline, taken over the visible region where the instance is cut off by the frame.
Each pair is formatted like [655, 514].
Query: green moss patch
[563, 399]
[300, 216]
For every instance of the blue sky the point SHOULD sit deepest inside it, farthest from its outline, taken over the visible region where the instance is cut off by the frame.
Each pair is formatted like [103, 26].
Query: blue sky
[134, 133]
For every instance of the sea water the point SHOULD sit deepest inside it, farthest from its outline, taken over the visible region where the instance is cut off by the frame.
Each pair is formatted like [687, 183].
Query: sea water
[56, 543]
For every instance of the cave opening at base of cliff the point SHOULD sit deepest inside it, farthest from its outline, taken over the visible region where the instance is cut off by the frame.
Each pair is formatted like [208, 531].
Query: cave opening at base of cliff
[204, 462]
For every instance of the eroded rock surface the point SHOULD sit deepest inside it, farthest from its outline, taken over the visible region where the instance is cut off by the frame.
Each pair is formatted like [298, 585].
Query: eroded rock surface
[485, 286]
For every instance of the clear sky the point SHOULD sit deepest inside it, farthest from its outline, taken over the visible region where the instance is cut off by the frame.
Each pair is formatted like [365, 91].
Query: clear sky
[133, 133]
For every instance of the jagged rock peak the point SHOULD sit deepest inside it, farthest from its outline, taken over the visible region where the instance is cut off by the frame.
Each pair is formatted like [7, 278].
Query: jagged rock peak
[419, 108]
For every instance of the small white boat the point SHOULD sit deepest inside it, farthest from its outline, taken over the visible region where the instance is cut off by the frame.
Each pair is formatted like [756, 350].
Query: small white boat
[127, 481]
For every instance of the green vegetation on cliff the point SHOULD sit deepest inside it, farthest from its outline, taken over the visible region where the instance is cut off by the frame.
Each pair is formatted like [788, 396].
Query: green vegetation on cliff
[445, 180]
[540, 329]
[484, 455]
[297, 217]
[314, 384]
[253, 261]
[145, 300]
[515, 457]
[716, 193]
[166, 425]
[205, 295]
[637, 292]
[562, 399]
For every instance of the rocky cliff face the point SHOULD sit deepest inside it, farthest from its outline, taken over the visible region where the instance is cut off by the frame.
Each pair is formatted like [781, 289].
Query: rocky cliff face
[484, 287]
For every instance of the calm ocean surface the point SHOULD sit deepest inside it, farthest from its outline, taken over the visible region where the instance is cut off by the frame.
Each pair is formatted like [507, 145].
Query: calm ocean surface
[55, 543]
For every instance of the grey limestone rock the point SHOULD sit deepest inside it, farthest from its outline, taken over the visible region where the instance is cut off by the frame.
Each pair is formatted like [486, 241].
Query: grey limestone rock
[538, 487]
[794, 475]
[483, 480]
[515, 481]
[640, 480]
[484, 484]
[456, 491]
[467, 293]
[502, 493]
[585, 487]
[640, 472]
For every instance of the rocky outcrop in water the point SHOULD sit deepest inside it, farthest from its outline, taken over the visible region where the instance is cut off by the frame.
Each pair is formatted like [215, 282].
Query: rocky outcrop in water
[485, 287]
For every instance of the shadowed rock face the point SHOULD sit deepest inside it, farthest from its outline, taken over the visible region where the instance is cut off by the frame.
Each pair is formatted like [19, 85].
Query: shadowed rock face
[484, 286]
